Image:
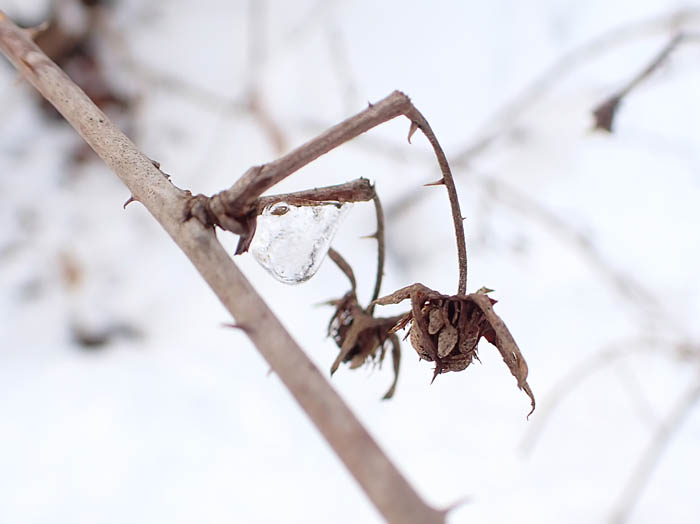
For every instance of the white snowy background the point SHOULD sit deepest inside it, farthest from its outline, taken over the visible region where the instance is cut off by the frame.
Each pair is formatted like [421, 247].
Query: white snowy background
[589, 239]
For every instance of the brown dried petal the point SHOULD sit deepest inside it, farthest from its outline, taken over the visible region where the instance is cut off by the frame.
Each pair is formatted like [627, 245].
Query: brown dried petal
[506, 345]
[447, 340]
[435, 321]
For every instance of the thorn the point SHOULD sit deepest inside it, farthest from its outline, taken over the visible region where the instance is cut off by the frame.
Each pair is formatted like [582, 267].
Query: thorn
[33, 32]
[326, 303]
[464, 218]
[466, 499]
[334, 368]
[129, 201]
[440, 182]
[412, 130]
[155, 163]
[370, 104]
[438, 370]
[242, 327]
[372, 236]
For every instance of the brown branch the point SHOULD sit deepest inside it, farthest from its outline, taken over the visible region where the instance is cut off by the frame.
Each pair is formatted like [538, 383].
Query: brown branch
[388, 490]
[605, 112]
[421, 123]
[234, 209]
[359, 190]
[379, 235]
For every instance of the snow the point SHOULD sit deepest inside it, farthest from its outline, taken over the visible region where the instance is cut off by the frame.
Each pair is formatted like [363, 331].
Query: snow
[177, 420]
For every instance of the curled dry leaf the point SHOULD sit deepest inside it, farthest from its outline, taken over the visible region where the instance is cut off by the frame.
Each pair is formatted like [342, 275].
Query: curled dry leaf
[446, 329]
[363, 338]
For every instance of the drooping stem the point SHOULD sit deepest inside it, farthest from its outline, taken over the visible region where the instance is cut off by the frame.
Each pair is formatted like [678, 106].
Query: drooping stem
[419, 121]
[229, 205]
[380, 251]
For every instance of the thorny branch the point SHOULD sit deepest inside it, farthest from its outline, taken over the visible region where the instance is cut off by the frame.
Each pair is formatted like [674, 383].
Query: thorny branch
[234, 209]
[382, 482]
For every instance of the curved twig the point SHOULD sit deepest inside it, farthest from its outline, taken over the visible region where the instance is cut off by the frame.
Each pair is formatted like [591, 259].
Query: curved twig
[379, 235]
[420, 122]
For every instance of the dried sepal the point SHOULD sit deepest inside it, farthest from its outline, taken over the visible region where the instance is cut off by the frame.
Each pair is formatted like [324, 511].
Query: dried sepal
[362, 338]
[446, 329]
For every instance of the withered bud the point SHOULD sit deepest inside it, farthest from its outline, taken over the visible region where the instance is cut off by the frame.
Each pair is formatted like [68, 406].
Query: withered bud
[446, 329]
[362, 338]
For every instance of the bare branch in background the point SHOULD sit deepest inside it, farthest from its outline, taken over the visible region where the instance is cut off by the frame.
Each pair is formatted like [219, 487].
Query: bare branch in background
[506, 117]
[578, 374]
[605, 112]
[645, 467]
[382, 482]
[624, 283]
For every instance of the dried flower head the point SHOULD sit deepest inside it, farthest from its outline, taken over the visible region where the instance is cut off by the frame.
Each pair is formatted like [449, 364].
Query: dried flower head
[446, 329]
[361, 337]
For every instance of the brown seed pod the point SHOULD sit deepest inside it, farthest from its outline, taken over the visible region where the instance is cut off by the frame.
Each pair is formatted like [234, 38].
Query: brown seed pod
[363, 338]
[446, 329]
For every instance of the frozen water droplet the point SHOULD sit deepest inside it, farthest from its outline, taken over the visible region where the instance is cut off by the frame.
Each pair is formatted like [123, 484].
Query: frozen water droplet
[291, 241]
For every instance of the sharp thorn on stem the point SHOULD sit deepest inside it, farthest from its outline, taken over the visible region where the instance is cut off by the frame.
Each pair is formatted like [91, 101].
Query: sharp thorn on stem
[440, 182]
[436, 372]
[129, 201]
[242, 327]
[412, 130]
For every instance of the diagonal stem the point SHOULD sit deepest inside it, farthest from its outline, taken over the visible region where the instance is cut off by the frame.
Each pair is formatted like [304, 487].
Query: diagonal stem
[388, 490]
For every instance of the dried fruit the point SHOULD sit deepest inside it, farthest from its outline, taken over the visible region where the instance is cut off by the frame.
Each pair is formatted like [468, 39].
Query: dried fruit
[361, 337]
[446, 329]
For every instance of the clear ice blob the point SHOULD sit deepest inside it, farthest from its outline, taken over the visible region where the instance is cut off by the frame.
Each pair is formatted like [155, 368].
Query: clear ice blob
[290, 241]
